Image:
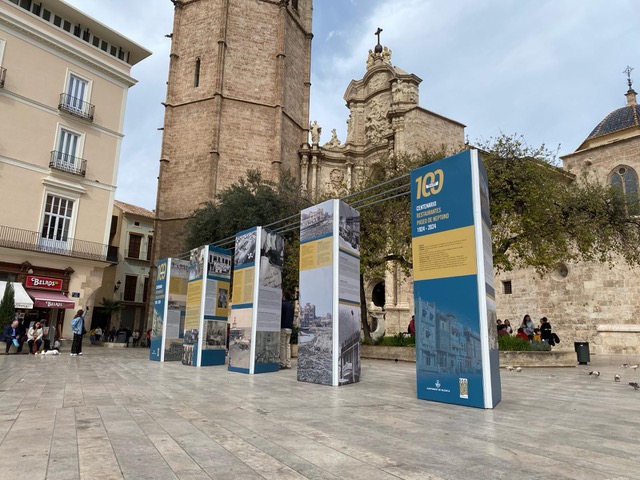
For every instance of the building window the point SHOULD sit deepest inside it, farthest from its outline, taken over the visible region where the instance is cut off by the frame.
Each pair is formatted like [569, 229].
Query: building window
[506, 287]
[145, 289]
[149, 247]
[56, 225]
[196, 75]
[625, 179]
[135, 242]
[130, 284]
[77, 92]
[67, 153]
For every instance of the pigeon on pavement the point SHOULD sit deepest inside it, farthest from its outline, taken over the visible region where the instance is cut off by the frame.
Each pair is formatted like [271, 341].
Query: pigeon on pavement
[594, 373]
[634, 367]
[616, 378]
[634, 385]
[518, 369]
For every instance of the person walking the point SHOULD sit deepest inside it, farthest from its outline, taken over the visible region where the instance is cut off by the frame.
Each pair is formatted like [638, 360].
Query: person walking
[286, 327]
[411, 329]
[77, 327]
[12, 336]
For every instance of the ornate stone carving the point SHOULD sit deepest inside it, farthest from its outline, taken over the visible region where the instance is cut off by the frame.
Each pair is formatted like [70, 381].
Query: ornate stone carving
[378, 81]
[316, 131]
[404, 92]
[376, 126]
[334, 142]
[336, 176]
[371, 59]
[350, 128]
[386, 55]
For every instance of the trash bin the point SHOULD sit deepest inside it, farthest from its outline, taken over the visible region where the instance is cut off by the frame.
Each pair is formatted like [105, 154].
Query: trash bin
[582, 349]
[122, 337]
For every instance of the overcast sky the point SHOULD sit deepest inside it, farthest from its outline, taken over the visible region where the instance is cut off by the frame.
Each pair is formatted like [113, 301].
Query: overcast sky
[547, 69]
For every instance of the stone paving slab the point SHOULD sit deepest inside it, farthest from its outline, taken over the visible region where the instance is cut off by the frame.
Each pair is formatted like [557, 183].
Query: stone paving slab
[113, 414]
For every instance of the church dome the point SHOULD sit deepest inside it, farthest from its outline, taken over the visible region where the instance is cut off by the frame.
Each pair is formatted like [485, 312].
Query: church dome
[620, 119]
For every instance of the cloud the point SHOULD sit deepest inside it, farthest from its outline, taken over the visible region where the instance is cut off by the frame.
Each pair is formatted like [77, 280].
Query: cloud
[544, 68]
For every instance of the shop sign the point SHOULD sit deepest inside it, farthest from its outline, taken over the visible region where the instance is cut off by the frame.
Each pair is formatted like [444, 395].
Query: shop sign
[43, 283]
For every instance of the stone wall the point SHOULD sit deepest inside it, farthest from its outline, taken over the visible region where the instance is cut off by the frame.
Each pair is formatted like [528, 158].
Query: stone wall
[424, 129]
[577, 301]
[598, 162]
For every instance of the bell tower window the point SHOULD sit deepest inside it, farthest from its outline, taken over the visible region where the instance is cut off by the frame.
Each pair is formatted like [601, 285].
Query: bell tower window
[196, 75]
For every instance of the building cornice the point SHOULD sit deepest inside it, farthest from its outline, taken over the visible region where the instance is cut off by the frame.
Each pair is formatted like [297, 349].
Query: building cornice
[48, 40]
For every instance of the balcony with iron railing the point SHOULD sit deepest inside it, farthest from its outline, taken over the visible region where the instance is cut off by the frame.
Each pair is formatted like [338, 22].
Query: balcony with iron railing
[3, 74]
[68, 163]
[76, 106]
[136, 254]
[19, 239]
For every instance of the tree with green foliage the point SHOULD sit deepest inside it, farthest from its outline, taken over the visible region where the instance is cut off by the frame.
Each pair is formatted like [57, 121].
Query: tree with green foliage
[7, 306]
[110, 307]
[541, 215]
[247, 203]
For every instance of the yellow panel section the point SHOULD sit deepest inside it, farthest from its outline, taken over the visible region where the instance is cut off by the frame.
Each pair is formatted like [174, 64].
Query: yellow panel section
[194, 301]
[178, 286]
[316, 254]
[445, 254]
[243, 286]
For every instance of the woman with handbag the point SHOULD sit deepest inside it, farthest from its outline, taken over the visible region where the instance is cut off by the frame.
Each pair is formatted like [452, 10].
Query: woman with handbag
[34, 338]
[77, 327]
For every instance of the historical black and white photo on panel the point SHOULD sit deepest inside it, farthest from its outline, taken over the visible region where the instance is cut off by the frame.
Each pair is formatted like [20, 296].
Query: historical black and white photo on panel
[245, 248]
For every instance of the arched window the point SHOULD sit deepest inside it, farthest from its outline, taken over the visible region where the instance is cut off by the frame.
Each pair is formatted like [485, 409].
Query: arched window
[196, 76]
[626, 179]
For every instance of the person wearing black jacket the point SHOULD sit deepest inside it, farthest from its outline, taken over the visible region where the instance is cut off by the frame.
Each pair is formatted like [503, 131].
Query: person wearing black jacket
[286, 327]
[545, 331]
[10, 333]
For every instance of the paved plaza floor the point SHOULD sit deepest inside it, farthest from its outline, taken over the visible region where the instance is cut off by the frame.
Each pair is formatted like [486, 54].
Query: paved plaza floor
[113, 414]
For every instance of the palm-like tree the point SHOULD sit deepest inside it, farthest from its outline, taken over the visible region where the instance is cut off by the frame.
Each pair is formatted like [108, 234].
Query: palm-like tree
[110, 306]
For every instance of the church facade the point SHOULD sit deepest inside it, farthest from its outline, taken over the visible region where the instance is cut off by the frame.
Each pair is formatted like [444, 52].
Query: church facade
[385, 119]
[586, 301]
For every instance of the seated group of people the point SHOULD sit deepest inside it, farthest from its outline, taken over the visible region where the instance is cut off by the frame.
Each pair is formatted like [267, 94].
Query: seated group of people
[528, 331]
[13, 334]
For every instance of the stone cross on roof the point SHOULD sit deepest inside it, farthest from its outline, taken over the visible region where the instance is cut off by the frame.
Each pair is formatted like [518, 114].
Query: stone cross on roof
[378, 48]
[628, 71]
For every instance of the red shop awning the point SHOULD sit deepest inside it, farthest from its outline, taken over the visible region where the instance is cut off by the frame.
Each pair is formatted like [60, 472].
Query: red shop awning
[50, 299]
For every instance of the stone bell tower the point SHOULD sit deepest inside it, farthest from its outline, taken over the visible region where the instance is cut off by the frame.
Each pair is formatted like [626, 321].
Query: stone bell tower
[237, 99]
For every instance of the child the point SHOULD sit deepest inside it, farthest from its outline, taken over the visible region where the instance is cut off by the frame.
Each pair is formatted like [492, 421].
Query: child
[536, 335]
[521, 334]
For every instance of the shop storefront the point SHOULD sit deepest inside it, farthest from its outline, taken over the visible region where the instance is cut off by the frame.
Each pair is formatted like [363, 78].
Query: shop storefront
[39, 297]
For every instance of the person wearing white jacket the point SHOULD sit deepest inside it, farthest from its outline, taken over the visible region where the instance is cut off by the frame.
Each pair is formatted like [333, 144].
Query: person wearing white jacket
[34, 337]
